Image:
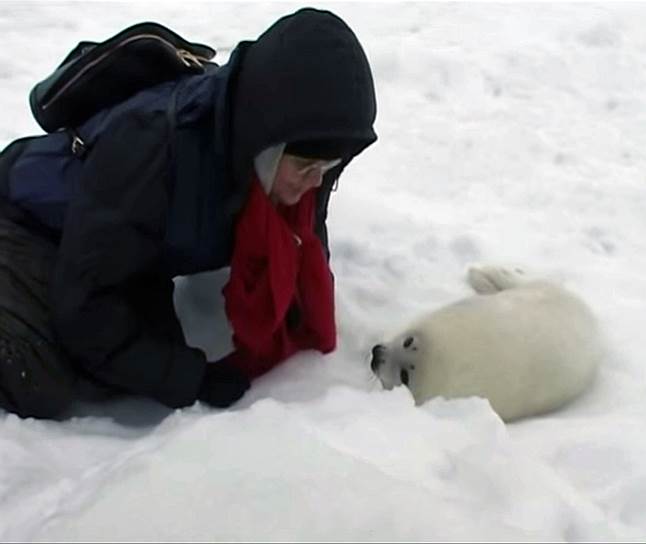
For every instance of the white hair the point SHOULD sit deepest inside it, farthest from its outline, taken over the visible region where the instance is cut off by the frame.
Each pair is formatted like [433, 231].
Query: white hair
[266, 165]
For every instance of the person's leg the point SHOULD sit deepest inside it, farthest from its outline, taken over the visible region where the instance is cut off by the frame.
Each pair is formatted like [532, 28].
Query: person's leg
[35, 378]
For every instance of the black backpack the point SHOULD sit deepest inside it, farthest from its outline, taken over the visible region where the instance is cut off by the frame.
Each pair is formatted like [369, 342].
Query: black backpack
[75, 104]
[95, 76]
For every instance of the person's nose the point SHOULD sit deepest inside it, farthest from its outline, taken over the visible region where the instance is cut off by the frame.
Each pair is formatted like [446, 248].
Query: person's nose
[377, 357]
[315, 178]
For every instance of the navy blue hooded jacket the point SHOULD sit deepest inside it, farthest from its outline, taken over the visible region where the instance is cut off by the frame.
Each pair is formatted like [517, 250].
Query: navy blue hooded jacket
[158, 193]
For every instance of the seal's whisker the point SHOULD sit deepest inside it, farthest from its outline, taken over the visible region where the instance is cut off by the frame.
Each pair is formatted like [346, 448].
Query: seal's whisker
[373, 382]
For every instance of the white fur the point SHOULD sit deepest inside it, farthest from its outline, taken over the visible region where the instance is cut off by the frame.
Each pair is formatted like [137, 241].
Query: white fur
[528, 346]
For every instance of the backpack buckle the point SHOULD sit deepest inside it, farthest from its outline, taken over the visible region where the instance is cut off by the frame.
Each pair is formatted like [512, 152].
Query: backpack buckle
[78, 145]
[189, 59]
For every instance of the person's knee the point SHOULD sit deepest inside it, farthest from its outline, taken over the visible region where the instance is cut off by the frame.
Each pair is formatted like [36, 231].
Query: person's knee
[31, 386]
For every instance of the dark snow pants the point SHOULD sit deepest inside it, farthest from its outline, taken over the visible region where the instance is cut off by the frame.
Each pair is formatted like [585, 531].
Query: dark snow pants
[36, 380]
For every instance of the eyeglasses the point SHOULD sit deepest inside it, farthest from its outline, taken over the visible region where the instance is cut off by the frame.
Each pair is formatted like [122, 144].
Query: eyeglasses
[311, 166]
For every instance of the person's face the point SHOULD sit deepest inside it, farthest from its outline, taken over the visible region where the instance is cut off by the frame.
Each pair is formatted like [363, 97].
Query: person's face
[297, 175]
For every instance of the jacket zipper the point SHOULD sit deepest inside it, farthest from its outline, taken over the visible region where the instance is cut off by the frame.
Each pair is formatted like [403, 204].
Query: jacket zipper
[186, 57]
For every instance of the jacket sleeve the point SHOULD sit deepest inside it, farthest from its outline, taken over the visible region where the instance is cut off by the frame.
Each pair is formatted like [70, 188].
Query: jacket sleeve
[112, 309]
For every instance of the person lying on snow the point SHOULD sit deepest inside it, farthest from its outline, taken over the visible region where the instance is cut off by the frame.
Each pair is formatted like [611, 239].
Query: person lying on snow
[245, 183]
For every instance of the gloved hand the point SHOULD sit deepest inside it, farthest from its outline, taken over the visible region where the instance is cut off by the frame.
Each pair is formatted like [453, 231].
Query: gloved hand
[223, 384]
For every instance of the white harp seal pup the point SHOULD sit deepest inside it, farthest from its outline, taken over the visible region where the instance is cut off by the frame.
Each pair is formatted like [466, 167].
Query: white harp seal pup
[529, 346]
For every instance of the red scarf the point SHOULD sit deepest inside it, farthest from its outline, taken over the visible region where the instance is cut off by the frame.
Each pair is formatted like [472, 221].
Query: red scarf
[278, 261]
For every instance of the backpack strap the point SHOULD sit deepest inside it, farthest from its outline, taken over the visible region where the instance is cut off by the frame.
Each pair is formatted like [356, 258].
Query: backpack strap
[171, 118]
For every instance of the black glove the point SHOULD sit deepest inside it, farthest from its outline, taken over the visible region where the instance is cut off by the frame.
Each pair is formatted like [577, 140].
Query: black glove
[223, 384]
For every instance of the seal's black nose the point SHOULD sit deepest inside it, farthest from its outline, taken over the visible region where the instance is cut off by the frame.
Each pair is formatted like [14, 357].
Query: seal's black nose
[377, 357]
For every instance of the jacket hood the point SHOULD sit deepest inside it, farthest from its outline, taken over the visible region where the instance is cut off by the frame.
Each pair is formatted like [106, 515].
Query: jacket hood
[306, 78]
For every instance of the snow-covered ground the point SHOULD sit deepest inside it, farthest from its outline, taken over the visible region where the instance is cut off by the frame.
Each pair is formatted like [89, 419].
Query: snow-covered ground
[508, 133]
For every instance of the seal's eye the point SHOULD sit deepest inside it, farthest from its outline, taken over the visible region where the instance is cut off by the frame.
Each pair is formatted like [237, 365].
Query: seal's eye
[403, 375]
[408, 342]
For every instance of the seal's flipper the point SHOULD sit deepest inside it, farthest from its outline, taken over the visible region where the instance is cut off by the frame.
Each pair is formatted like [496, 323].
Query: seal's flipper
[487, 280]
